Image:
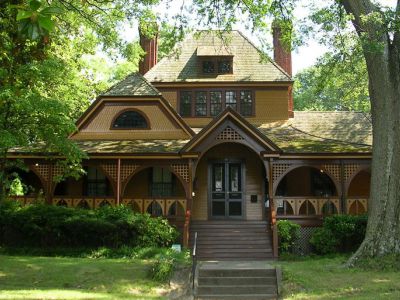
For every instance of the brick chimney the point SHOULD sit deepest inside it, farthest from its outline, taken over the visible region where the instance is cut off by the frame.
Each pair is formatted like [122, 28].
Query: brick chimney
[283, 57]
[149, 45]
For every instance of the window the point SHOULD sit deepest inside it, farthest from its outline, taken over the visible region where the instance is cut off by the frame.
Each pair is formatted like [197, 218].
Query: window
[161, 183]
[215, 103]
[246, 103]
[130, 120]
[217, 65]
[200, 103]
[186, 104]
[230, 99]
[96, 183]
[208, 67]
[225, 66]
[200, 108]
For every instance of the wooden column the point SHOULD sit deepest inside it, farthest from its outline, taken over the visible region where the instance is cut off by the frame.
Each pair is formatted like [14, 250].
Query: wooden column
[343, 189]
[118, 180]
[272, 210]
[189, 199]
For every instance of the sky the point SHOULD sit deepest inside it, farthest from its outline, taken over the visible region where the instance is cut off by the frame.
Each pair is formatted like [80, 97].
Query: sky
[302, 57]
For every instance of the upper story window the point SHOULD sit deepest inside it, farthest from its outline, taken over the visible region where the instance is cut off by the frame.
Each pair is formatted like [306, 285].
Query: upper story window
[204, 103]
[130, 119]
[217, 65]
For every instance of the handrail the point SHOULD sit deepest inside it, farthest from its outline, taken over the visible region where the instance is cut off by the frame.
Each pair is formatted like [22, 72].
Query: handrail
[194, 258]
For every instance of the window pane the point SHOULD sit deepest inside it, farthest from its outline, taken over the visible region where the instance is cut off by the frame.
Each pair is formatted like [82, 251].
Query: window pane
[218, 175]
[186, 104]
[246, 103]
[130, 119]
[225, 66]
[215, 103]
[208, 67]
[201, 104]
[230, 99]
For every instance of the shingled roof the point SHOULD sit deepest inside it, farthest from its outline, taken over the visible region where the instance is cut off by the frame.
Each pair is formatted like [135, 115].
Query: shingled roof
[183, 65]
[133, 85]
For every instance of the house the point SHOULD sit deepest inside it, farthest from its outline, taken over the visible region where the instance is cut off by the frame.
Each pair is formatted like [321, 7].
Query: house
[207, 137]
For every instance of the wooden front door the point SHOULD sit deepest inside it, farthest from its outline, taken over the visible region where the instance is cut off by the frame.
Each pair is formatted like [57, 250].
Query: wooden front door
[226, 189]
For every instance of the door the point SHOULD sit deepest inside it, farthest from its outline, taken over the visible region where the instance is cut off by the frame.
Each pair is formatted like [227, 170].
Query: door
[226, 189]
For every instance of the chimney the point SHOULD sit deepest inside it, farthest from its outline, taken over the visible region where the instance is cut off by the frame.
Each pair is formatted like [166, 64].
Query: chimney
[148, 42]
[283, 57]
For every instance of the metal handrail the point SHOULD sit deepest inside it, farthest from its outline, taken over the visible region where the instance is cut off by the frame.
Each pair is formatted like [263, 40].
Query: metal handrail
[194, 258]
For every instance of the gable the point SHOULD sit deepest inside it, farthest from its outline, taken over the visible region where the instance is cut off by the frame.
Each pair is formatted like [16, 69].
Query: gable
[185, 65]
[162, 121]
[230, 127]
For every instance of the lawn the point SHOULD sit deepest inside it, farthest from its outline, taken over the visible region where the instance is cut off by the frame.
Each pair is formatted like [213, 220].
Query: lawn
[25, 277]
[326, 278]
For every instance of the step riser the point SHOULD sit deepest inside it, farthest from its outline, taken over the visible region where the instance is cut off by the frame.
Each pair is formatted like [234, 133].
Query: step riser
[238, 273]
[237, 281]
[239, 297]
[235, 290]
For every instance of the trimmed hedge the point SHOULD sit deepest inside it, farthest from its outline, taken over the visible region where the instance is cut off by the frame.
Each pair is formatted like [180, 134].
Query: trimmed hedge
[339, 233]
[57, 226]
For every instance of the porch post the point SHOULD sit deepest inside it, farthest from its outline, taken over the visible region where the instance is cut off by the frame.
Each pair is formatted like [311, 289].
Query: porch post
[49, 187]
[189, 200]
[272, 210]
[343, 192]
[118, 180]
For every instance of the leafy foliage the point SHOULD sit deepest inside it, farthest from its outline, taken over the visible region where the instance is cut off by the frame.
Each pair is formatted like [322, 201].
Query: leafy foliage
[288, 232]
[339, 233]
[54, 226]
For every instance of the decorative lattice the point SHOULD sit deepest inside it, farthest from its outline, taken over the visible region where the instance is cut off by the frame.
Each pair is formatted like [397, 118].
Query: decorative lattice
[350, 170]
[111, 169]
[302, 244]
[58, 171]
[333, 170]
[127, 170]
[43, 170]
[182, 170]
[279, 169]
[356, 206]
[229, 134]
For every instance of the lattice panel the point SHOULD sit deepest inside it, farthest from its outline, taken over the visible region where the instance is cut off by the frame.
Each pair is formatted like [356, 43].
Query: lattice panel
[43, 170]
[278, 170]
[58, 171]
[349, 170]
[302, 244]
[111, 169]
[334, 170]
[229, 134]
[127, 170]
[182, 170]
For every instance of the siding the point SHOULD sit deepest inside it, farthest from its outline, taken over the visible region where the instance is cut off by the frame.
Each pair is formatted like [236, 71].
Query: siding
[253, 181]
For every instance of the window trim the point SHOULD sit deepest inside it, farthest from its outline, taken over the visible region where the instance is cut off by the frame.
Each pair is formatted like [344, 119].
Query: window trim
[223, 90]
[131, 128]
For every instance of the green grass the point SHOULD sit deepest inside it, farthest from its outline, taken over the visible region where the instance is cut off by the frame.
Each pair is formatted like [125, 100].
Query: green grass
[326, 278]
[27, 277]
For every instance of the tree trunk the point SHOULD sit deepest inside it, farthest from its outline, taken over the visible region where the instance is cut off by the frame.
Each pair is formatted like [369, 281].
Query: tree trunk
[383, 229]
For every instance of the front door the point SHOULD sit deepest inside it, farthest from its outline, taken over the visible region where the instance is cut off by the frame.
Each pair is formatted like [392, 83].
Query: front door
[226, 189]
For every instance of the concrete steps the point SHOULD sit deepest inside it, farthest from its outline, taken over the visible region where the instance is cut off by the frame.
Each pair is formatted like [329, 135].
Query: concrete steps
[232, 240]
[236, 280]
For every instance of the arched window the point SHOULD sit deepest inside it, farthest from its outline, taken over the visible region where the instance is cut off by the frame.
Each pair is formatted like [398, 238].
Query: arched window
[130, 120]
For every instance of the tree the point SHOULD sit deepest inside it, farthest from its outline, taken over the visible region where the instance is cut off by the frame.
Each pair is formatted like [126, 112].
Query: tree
[333, 83]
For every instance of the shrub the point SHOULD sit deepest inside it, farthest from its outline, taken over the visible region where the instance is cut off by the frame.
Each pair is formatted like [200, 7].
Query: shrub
[339, 233]
[165, 262]
[57, 226]
[288, 232]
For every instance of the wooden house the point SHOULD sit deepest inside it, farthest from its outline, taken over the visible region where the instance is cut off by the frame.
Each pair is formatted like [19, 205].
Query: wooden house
[207, 137]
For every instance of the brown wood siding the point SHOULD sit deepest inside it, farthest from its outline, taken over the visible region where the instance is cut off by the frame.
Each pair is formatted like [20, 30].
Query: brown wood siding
[161, 126]
[253, 180]
[172, 98]
[271, 105]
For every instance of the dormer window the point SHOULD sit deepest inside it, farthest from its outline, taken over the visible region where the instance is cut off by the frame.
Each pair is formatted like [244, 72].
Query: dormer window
[130, 119]
[217, 65]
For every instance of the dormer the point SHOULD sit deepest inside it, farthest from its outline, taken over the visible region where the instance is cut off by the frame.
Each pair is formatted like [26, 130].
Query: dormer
[214, 60]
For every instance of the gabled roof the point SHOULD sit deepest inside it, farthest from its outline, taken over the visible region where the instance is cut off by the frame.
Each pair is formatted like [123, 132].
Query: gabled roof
[243, 124]
[183, 65]
[133, 85]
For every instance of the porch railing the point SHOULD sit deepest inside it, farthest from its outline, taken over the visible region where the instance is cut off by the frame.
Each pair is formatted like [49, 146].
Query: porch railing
[307, 206]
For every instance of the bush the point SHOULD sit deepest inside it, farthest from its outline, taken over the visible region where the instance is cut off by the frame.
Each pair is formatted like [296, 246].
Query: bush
[339, 233]
[288, 232]
[165, 262]
[56, 226]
